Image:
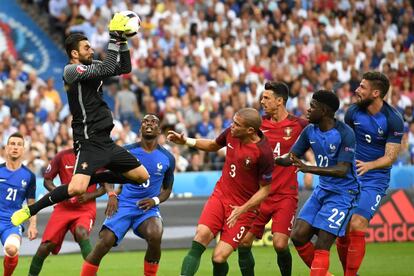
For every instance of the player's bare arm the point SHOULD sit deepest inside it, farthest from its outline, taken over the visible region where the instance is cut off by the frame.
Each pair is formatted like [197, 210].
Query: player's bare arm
[112, 204]
[49, 185]
[254, 201]
[148, 203]
[88, 196]
[201, 144]
[32, 230]
[390, 155]
[339, 170]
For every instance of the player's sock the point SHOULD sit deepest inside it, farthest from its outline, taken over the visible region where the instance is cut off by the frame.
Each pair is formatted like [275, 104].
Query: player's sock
[246, 261]
[342, 248]
[306, 252]
[150, 268]
[9, 264]
[320, 263]
[89, 269]
[220, 269]
[111, 177]
[36, 265]
[85, 247]
[59, 194]
[284, 261]
[356, 252]
[191, 262]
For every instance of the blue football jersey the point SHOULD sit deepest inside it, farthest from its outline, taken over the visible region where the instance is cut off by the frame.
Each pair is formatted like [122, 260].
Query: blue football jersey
[160, 165]
[330, 147]
[15, 187]
[372, 132]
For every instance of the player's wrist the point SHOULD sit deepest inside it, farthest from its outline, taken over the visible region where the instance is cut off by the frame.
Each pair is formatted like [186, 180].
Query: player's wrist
[111, 193]
[156, 200]
[191, 142]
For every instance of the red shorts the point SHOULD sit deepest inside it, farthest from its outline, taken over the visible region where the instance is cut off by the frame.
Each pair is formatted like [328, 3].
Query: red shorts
[281, 210]
[62, 220]
[214, 216]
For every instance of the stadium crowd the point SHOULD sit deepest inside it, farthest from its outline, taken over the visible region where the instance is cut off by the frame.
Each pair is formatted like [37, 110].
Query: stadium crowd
[196, 62]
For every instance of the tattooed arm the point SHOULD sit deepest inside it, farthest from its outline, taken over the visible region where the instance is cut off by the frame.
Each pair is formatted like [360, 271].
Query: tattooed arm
[390, 155]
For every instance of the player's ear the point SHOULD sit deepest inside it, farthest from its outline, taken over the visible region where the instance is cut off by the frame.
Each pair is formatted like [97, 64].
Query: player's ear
[74, 53]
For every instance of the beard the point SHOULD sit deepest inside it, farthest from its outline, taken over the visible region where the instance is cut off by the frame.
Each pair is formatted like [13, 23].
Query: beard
[86, 61]
[364, 103]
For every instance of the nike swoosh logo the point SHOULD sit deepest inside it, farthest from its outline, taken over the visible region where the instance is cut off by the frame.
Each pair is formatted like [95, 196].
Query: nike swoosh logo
[69, 167]
[230, 146]
[312, 142]
[265, 130]
[357, 123]
[3, 180]
[333, 226]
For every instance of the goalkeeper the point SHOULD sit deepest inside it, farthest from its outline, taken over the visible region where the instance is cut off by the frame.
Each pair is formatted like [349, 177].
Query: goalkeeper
[92, 120]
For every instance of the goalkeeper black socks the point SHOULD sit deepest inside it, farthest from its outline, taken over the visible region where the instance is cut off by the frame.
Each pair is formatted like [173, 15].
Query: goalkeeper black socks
[284, 261]
[57, 195]
[246, 261]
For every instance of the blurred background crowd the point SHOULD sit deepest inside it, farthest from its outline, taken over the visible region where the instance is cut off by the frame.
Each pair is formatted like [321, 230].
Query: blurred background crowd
[196, 62]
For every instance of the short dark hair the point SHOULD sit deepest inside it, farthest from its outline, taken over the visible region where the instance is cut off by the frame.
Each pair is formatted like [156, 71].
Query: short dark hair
[328, 98]
[378, 81]
[17, 135]
[72, 42]
[279, 89]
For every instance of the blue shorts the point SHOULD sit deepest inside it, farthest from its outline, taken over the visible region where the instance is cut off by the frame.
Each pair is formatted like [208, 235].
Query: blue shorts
[126, 218]
[328, 211]
[7, 229]
[369, 200]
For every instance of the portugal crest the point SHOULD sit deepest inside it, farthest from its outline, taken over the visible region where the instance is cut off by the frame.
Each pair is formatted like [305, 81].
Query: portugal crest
[288, 133]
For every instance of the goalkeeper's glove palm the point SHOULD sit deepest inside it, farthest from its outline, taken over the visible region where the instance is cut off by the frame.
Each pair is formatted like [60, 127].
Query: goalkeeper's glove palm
[117, 23]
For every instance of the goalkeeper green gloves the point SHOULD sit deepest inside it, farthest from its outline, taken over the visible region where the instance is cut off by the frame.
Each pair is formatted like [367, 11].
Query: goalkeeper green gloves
[117, 27]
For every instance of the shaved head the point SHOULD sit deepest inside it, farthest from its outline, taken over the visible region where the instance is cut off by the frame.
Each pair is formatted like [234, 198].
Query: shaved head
[251, 117]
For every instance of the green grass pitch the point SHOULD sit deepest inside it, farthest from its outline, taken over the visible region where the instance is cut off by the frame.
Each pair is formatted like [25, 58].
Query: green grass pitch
[395, 259]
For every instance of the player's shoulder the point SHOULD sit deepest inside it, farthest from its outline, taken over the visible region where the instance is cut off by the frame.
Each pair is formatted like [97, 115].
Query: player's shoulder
[167, 153]
[297, 120]
[392, 114]
[343, 128]
[27, 170]
[132, 146]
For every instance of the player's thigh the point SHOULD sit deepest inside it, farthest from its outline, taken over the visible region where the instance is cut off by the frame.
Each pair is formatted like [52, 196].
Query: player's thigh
[120, 223]
[335, 213]
[311, 207]
[213, 215]
[265, 214]
[233, 235]
[123, 161]
[284, 215]
[368, 202]
[57, 226]
[9, 229]
[149, 226]
[91, 155]
[82, 225]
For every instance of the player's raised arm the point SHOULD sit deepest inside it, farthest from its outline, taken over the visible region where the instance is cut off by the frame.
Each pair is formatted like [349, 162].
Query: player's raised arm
[202, 144]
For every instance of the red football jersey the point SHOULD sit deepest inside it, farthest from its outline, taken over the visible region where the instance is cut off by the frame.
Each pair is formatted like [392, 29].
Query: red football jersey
[63, 164]
[246, 166]
[282, 135]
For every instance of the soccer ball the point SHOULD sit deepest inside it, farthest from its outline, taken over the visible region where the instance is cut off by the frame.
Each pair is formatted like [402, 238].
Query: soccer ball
[134, 23]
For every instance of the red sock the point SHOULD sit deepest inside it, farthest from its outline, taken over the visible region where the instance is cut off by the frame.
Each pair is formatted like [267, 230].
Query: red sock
[342, 248]
[320, 264]
[10, 264]
[150, 269]
[89, 269]
[306, 252]
[356, 252]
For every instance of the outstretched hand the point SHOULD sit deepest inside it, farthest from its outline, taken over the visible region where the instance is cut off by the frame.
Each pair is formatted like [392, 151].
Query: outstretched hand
[177, 138]
[235, 214]
[362, 167]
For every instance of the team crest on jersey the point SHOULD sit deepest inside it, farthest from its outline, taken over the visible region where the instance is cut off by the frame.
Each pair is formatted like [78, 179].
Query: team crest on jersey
[84, 165]
[332, 147]
[24, 183]
[81, 69]
[159, 168]
[380, 132]
[288, 133]
[248, 162]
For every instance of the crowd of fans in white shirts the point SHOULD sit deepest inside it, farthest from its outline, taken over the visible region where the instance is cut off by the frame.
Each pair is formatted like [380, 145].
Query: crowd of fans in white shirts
[196, 62]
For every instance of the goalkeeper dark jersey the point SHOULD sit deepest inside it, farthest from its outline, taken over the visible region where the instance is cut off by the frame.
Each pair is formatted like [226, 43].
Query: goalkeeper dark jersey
[83, 84]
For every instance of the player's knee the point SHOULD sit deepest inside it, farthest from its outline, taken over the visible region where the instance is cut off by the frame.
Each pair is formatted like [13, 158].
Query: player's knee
[75, 190]
[358, 223]
[45, 249]
[219, 257]
[280, 244]
[297, 238]
[81, 234]
[12, 246]
[154, 240]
